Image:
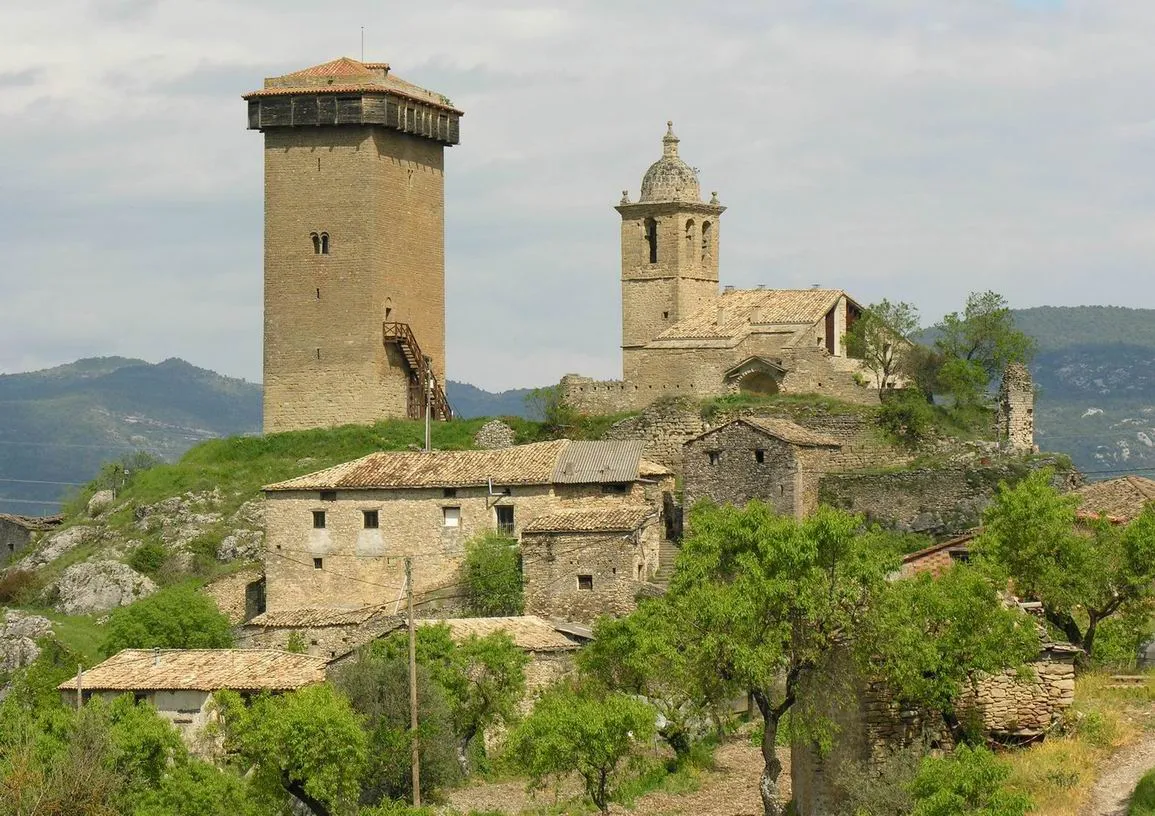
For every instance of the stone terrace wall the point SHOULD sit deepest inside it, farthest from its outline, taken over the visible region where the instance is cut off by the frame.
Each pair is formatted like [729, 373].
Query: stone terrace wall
[664, 426]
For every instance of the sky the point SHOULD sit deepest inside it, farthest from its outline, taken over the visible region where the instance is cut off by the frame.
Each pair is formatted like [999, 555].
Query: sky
[914, 150]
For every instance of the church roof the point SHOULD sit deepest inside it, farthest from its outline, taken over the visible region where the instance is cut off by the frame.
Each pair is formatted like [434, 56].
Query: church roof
[735, 311]
[670, 178]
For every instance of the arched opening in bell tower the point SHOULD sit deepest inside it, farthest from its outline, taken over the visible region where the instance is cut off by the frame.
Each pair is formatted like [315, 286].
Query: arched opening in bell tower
[651, 233]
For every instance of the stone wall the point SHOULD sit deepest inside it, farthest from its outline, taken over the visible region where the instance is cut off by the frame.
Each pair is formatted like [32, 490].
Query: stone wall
[379, 196]
[237, 595]
[15, 538]
[494, 434]
[664, 427]
[618, 564]
[1015, 419]
[322, 640]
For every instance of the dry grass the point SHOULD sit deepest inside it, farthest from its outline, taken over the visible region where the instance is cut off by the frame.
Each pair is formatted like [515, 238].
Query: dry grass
[1059, 773]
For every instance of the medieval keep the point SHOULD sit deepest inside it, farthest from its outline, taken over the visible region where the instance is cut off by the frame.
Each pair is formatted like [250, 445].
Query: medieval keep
[354, 244]
[682, 337]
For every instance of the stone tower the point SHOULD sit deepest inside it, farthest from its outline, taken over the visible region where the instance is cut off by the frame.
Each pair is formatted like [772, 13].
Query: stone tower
[354, 244]
[669, 252]
[1015, 430]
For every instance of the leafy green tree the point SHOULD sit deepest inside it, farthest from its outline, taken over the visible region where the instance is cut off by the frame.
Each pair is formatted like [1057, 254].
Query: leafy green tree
[906, 416]
[547, 406]
[295, 643]
[174, 618]
[1082, 575]
[984, 335]
[881, 338]
[969, 782]
[483, 678]
[307, 744]
[921, 367]
[592, 733]
[493, 579]
[198, 789]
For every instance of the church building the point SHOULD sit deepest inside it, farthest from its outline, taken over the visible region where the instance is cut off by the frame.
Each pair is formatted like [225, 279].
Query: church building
[681, 336]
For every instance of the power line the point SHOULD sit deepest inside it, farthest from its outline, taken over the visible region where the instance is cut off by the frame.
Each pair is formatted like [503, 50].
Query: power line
[40, 481]
[29, 501]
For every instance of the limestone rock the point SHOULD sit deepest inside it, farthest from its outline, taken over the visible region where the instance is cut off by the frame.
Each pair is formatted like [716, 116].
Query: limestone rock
[251, 514]
[97, 586]
[246, 545]
[181, 519]
[101, 500]
[59, 544]
[19, 632]
[495, 434]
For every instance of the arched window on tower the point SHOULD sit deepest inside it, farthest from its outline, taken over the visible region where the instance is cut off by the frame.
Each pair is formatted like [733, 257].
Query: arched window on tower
[316, 243]
[690, 239]
[707, 242]
[651, 228]
[324, 243]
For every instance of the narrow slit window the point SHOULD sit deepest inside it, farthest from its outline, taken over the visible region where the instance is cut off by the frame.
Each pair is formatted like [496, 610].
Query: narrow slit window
[371, 519]
[318, 519]
[316, 243]
[715, 457]
[759, 456]
[651, 233]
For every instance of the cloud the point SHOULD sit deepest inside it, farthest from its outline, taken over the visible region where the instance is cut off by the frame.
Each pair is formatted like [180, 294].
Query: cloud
[909, 151]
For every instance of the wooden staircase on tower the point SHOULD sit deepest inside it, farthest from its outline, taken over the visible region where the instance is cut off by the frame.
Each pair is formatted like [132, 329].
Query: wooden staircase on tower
[420, 374]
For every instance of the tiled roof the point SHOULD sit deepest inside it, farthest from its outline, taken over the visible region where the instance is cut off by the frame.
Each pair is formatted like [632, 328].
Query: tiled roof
[348, 76]
[33, 522]
[610, 520]
[528, 632]
[201, 670]
[648, 468]
[556, 462]
[588, 462]
[743, 307]
[1122, 498]
[314, 617]
[515, 465]
[793, 433]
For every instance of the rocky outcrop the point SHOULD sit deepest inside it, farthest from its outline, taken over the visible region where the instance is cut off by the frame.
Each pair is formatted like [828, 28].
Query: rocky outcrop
[59, 544]
[98, 586]
[19, 632]
[243, 545]
[180, 520]
[100, 502]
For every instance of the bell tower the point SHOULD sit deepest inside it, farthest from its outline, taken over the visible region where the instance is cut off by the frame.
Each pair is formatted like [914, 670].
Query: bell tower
[669, 251]
[354, 245]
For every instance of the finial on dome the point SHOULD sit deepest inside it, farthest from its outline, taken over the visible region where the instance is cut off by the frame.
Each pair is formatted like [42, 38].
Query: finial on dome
[670, 141]
[625, 197]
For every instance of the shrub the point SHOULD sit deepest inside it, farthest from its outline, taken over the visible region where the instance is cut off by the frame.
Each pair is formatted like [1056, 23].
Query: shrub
[148, 558]
[174, 618]
[1143, 800]
[906, 415]
[493, 580]
[296, 643]
[969, 781]
[17, 587]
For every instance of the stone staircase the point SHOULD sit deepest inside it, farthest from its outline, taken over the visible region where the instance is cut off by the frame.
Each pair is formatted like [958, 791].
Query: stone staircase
[667, 552]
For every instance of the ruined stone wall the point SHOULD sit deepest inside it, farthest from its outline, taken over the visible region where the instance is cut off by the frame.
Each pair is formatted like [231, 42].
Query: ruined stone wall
[379, 196]
[664, 427]
[1015, 419]
[15, 538]
[233, 596]
[322, 641]
[618, 563]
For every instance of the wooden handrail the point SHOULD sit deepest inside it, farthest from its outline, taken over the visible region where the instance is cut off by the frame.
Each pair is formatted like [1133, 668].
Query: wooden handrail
[420, 373]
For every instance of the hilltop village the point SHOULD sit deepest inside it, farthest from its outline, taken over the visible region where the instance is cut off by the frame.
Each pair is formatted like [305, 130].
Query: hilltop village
[737, 410]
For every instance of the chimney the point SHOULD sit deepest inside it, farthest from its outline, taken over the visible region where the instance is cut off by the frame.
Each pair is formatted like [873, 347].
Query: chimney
[155, 656]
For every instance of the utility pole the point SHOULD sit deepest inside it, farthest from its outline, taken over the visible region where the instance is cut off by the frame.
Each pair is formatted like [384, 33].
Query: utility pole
[79, 687]
[413, 682]
[428, 400]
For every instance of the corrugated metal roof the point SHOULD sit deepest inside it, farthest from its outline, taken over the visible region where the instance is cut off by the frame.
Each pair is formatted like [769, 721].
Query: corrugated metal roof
[742, 308]
[588, 462]
[517, 465]
[201, 670]
[612, 520]
[528, 632]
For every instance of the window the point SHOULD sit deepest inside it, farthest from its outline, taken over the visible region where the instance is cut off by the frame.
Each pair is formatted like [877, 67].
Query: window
[586, 582]
[328, 495]
[960, 556]
[505, 519]
[370, 517]
[318, 519]
[324, 243]
[759, 456]
[715, 457]
[451, 516]
[318, 564]
[651, 233]
[139, 697]
[616, 488]
[450, 492]
[316, 243]
[665, 315]
[707, 242]
[690, 238]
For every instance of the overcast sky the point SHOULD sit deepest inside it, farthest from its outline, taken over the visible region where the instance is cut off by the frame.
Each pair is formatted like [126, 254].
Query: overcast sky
[909, 149]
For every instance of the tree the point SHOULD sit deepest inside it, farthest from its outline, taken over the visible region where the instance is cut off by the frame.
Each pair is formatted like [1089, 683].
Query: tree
[984, 335]
[493, 579]
[547, 405]
[881, 338]
[968, 782]
[579, 729]
[198, 789]
[1083, 573]
[307, 744]
[174, 618]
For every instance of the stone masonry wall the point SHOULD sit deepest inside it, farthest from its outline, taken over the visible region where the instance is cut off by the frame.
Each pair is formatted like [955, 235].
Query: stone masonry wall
[664, 426]
[1015, 422]
[231, 594]
[379, 195]
[15, 538]
[723, 467]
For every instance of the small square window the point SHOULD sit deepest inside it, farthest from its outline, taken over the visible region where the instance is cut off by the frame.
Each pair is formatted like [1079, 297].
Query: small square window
[450, 493]
[318, 519]
[371, 520]
[318, 563]
[585, 582]
[715, 457]
[328, 495]
[451, 516]
[759, 456]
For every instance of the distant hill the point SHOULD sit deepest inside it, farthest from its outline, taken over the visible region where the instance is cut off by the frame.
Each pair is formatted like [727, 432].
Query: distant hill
[469, 401]
[60, 424]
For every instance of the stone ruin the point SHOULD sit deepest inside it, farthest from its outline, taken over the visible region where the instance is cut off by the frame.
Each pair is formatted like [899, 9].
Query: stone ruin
[495, 434]
[1015, 420]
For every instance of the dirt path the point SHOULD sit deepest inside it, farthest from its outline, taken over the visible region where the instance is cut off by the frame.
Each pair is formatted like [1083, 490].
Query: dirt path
[1112, 792]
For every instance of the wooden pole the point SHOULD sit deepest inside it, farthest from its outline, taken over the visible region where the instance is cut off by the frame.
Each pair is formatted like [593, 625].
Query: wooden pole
[413, 683]
[79, 687]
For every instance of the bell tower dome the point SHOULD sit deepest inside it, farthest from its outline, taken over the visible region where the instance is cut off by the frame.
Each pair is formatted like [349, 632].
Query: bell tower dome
[669, 251]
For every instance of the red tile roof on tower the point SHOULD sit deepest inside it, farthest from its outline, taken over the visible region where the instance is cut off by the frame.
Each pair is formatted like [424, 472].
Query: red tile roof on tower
[346, 75]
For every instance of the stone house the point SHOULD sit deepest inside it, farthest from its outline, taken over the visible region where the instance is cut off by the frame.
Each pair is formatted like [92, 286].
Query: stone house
[17, 533]
[773, 460]
[179, 683]
[682, 337]
[579, 564]
[327, 633]
[337, 539]
[937, 558]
